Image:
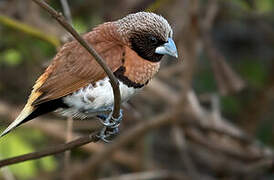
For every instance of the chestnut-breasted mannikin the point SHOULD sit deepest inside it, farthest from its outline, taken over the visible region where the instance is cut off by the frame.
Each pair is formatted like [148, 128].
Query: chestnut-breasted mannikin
[76, 86]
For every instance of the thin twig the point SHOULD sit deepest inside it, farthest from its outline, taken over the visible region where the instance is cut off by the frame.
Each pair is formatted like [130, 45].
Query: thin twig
[67, 157]
[162, 174]
[66, 11]
[228, 81]
[114, 82]
[181, 144]
[50, 151]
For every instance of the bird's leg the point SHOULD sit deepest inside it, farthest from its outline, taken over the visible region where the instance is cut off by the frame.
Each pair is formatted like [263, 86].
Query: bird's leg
[110, 129]
[109, 121]
[102, 117]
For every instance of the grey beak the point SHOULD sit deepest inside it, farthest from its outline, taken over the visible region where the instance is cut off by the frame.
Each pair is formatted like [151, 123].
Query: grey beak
[168, 48]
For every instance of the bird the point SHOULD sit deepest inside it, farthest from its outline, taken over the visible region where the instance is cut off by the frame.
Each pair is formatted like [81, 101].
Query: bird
[74, 85]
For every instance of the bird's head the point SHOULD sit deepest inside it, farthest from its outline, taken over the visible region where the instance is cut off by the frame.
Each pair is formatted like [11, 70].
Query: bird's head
[149, 35]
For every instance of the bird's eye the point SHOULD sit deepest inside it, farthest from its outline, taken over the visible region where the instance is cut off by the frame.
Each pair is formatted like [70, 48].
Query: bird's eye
[153, 40]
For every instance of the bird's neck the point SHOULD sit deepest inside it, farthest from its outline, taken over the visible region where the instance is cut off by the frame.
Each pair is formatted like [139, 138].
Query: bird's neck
[137, 69]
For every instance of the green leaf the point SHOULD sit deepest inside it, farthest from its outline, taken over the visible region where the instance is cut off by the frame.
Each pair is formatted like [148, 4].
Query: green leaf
[241, 3]
[230, 105]
[254, 72]
[80, 26]
[204, 82]
[48, 163]
[12, 57]
[264, 5]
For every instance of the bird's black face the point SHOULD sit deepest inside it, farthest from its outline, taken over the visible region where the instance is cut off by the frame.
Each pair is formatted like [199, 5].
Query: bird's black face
[145, 46]
[149, 35]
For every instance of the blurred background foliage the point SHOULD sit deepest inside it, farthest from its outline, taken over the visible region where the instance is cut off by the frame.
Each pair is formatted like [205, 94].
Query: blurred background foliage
[242, 31]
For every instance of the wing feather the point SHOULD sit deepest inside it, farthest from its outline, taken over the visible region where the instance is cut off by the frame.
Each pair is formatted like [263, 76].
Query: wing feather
[74, 68]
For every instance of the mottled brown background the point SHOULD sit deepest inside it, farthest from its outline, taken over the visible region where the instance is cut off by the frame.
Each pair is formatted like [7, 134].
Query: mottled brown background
[208, 115]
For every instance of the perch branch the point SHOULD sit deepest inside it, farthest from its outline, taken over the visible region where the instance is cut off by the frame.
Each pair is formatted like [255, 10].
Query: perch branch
[67, 158]
[55, 129]
[50, 151]
[114, 82]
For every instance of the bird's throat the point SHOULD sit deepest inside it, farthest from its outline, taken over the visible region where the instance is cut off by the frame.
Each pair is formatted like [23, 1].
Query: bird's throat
[119, 74]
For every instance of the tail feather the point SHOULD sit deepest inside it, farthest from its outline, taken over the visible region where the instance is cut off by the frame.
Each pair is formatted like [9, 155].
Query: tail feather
[30, 112]
[20, 119]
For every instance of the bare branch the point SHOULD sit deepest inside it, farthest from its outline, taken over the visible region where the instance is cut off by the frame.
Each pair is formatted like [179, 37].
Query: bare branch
[66, 10]
[181, 144]
[50, 151]
[163, 174]
[54, 128]
[67, 158]
[228, 81]
[114, 82]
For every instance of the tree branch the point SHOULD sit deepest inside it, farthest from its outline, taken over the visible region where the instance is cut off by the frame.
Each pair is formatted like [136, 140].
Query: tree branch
[182, 146]
[55, 129]
[114, 82]
[161, 174]
[50, 151]
[67, 158]
[66, 10]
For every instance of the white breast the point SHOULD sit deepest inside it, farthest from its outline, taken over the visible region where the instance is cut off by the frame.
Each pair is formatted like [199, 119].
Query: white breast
[94, 98]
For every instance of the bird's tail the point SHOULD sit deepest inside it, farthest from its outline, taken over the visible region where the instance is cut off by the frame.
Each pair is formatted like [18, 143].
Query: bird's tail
[28, 110]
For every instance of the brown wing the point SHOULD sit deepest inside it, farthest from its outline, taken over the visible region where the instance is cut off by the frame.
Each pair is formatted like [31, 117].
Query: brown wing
[74, 68]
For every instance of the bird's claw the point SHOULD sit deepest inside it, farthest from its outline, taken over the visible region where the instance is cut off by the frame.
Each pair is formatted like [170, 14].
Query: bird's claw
[110, 121]
[107, 134]
[110, 129]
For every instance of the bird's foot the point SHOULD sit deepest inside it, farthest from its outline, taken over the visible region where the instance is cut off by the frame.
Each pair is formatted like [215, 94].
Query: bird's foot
[110, 121]
[107, 134]
[110, 129]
